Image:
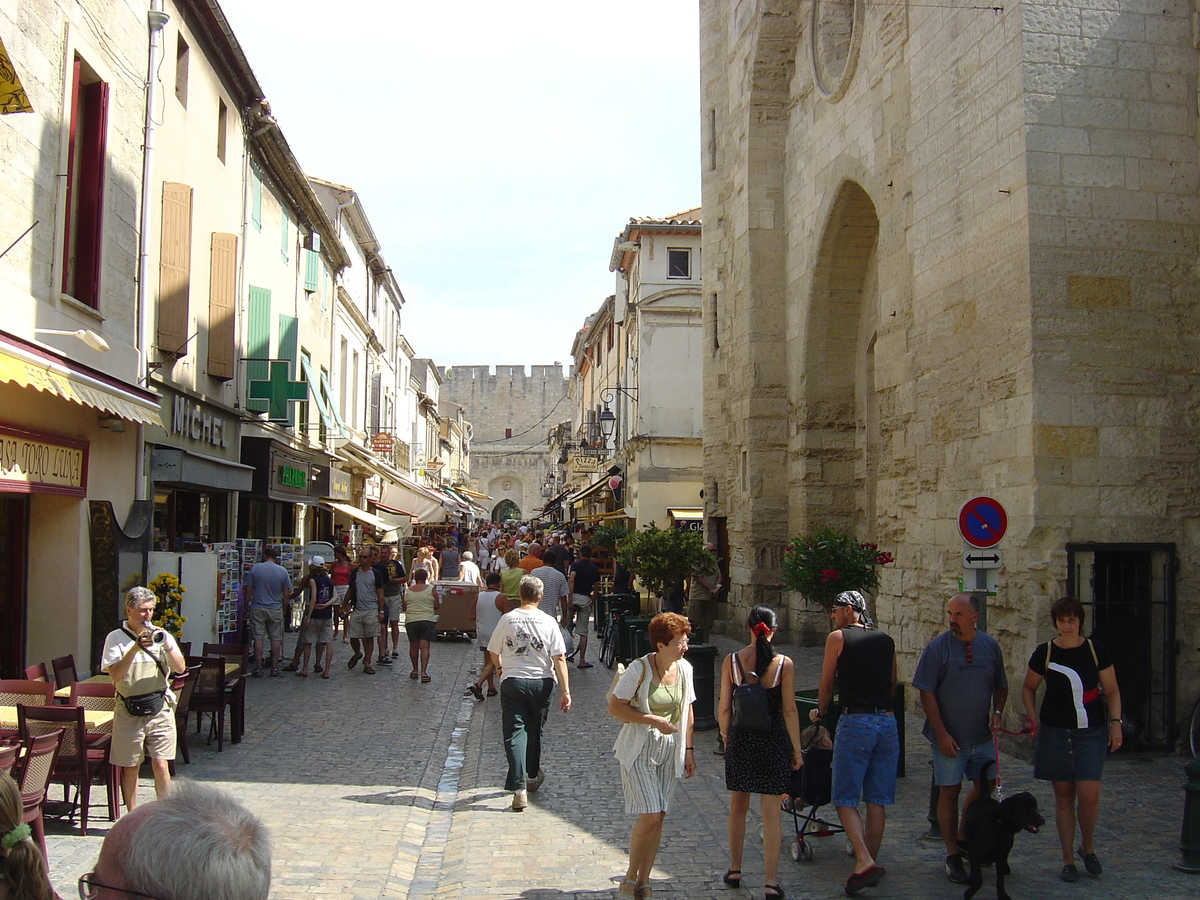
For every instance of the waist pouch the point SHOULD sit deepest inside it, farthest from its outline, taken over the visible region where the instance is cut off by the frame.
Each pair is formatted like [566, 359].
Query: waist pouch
[145, 704]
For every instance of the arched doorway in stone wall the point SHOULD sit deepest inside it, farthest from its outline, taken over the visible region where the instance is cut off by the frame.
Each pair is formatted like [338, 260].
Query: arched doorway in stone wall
[505, 511]
[836, 435]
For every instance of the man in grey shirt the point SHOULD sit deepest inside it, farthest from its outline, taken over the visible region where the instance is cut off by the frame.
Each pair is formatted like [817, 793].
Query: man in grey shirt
[364, 601]
[555, 593]
[268, 586]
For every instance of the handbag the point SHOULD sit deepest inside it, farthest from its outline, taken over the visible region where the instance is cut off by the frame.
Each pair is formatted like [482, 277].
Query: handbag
[143, 705]
[751, 713]
[617, 677]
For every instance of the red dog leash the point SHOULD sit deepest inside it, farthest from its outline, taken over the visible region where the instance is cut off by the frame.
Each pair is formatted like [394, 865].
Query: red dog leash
[996, 744]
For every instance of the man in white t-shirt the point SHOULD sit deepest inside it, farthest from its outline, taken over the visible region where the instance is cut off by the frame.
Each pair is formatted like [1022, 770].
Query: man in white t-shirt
[140, 659]
[527, 647]
[468, 571]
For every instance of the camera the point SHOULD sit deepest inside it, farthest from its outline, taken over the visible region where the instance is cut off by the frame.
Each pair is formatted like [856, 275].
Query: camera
[159, 636]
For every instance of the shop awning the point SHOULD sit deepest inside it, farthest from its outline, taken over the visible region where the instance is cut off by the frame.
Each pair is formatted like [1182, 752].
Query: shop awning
[590, 490]
[12, 95]
[173, 465]
[603, 517]
[30, 366]
[685, 512]
[360, 515]
[414, 498]
[475, 494]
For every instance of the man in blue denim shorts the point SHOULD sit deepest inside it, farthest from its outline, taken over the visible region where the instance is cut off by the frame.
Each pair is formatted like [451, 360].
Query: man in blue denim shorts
[963, 690]
[866, 747]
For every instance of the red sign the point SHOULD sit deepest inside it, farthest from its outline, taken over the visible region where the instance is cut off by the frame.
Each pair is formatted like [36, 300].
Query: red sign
[383, 443]
[982, 522]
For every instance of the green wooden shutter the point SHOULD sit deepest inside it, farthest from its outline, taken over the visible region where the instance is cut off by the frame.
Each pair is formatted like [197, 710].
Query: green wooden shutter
[258, 342]
[311, 271]
[283, 218]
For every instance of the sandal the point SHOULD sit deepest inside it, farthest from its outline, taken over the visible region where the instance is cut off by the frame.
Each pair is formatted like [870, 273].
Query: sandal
[859, 880]
[367, 670]
[326, 675]
[492, 692]
[733, 878]
[413, 675]
[621, 892]
[476, 691]
[425, 679]
[775, 892]
[644, 891]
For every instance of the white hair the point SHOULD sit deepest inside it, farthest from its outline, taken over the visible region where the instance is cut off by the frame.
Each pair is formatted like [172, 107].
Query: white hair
[197, 843]
[138, 595]
[531, 588]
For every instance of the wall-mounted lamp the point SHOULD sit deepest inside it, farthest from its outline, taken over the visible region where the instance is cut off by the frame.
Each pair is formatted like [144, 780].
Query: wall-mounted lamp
[89, 337]
[265, 123]
[608, 422]
[113, 424]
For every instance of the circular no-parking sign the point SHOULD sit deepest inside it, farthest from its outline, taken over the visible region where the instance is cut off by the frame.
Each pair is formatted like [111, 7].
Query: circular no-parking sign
[982, 522]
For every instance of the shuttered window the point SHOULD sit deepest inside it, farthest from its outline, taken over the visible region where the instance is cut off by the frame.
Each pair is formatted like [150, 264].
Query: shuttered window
[174, 267]
[283, 236]
[258, 341]
[87, 161]
[289, 349]
[222, 292]
[312, 263]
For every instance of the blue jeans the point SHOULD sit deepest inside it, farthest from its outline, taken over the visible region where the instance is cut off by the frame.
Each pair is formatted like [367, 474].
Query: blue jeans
[866, 749]
[524, 706]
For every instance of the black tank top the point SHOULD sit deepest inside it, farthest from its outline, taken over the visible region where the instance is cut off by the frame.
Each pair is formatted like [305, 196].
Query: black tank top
[864, 670]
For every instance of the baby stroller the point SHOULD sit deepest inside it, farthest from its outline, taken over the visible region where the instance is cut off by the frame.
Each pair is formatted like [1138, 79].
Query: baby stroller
[811, 788]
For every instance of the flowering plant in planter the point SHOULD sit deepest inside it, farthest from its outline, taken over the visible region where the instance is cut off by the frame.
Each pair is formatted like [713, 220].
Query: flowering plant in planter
[169, 591]
[823, 562]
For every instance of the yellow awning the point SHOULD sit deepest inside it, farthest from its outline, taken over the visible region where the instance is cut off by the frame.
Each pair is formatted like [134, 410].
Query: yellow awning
[41, 371]
[686, 512]
[475, 494]
[360, 514]
[12, 96]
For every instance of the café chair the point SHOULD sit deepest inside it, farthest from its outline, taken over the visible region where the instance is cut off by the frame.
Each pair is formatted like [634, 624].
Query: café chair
[183, 686]
[64, 671]
[8, 758]
[185, 647]
[209, 695]
[37, 765]
[235, 684]
[94, 695]
[15, 692]
[79, 762]
[37, 672]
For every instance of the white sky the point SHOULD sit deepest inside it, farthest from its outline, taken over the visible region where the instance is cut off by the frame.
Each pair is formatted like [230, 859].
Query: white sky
[498, 148]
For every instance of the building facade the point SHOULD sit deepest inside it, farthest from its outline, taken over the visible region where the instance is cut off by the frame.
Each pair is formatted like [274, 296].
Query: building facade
[940, 249]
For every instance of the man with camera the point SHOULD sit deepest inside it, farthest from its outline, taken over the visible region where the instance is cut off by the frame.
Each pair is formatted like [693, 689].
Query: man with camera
[140, 659]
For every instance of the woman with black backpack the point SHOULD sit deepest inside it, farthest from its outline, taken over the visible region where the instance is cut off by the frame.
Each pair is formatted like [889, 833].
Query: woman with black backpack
[761, 732]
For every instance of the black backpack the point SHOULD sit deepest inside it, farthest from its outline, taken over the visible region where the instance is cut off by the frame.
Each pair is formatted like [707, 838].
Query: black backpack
[751, 713]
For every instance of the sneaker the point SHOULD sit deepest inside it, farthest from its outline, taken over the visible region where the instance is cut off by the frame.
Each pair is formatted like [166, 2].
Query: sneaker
[520, 800]
[955, 871]
[532, 784]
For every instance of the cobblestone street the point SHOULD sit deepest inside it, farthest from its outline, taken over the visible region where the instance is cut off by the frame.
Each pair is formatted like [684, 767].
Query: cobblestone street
[384, 787]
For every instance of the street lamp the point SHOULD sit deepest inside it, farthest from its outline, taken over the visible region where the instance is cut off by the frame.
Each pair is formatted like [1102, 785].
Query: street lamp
[89, 337]
[608, 421]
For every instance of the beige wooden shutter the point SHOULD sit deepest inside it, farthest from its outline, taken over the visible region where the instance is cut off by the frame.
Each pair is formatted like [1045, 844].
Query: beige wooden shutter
[174, 267]
[222, 289]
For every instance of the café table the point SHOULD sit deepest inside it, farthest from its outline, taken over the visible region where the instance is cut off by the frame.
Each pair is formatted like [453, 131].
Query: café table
[64, 693]
[97, 721]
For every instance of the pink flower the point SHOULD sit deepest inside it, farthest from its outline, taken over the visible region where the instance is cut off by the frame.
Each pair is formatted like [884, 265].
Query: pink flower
[828, 575]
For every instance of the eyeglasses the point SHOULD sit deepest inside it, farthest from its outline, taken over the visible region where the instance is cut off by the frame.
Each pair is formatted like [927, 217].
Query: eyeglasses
[89, 888]
[967, 648]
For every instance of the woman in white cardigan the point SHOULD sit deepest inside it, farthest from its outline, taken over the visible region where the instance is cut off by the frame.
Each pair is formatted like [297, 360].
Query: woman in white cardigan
[654, 700]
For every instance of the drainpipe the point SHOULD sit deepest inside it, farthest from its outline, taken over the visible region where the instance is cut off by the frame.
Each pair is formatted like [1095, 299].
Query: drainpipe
[156, 20]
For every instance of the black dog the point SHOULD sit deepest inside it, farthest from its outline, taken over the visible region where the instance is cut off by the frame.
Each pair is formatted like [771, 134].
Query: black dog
[989, 826]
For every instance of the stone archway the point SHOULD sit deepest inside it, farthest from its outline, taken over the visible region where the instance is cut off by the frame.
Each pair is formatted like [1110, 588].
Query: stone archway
[836, 416]
[505, 510]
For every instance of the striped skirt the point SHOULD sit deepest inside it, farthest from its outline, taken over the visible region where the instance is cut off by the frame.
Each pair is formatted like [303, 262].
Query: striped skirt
[650, 782]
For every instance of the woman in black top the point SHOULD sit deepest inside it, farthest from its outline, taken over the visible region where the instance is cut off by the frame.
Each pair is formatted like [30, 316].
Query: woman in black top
[1080, 720]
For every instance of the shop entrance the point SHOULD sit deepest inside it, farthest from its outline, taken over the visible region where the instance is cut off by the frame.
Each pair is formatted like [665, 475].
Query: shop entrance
[1128, 594]
[14, 532]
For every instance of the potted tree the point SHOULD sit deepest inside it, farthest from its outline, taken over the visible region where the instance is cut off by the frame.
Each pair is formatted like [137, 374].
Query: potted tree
[663, 558]
[823, 562]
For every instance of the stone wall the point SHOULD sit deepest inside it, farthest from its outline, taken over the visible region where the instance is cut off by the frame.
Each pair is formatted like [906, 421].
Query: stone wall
[528, 405]
[951, 255]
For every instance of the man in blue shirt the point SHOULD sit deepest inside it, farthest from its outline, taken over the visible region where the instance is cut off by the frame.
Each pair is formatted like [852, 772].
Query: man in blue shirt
[963, 690]
[268, 587]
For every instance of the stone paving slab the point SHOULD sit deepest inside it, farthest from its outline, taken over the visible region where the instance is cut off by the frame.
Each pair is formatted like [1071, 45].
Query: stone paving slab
[381, 787]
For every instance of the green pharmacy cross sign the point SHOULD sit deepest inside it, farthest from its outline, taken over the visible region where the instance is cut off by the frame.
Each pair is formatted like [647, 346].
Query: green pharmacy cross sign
[279, 390]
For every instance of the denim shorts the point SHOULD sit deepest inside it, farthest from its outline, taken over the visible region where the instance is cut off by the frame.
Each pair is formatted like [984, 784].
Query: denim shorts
[1070, 754]
[949, 771]
[866, 751]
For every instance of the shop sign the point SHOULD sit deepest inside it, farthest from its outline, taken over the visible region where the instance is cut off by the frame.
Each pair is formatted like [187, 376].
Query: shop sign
[383, 443]
[585, 465]
[190, 420]
[32, 462]
[293, 477]
[373, 488]
[290, 475]
[339, 485]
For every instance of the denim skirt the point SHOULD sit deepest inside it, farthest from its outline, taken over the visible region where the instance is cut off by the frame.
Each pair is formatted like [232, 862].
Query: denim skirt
[1070, 754]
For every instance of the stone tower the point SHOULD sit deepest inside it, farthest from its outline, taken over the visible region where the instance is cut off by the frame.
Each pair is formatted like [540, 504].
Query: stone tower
[510, 413]
[951, 252]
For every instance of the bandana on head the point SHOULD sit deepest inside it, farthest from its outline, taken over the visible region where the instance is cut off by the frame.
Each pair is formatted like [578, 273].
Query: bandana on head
[14, 837]
[856, 602]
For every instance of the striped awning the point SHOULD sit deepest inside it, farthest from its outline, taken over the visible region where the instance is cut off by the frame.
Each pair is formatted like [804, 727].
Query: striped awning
[41, 370]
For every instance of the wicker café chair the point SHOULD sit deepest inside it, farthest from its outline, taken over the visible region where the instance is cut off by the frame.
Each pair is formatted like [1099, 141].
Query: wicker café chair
[210, 696]
[182, 686]
[79, 762]
[9, 753]
[94, 695]
[37, 672]
[64, 671]
[37, 765]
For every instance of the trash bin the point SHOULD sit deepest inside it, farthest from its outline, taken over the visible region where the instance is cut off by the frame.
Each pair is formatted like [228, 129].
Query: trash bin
[703, 658]
[626, 626]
